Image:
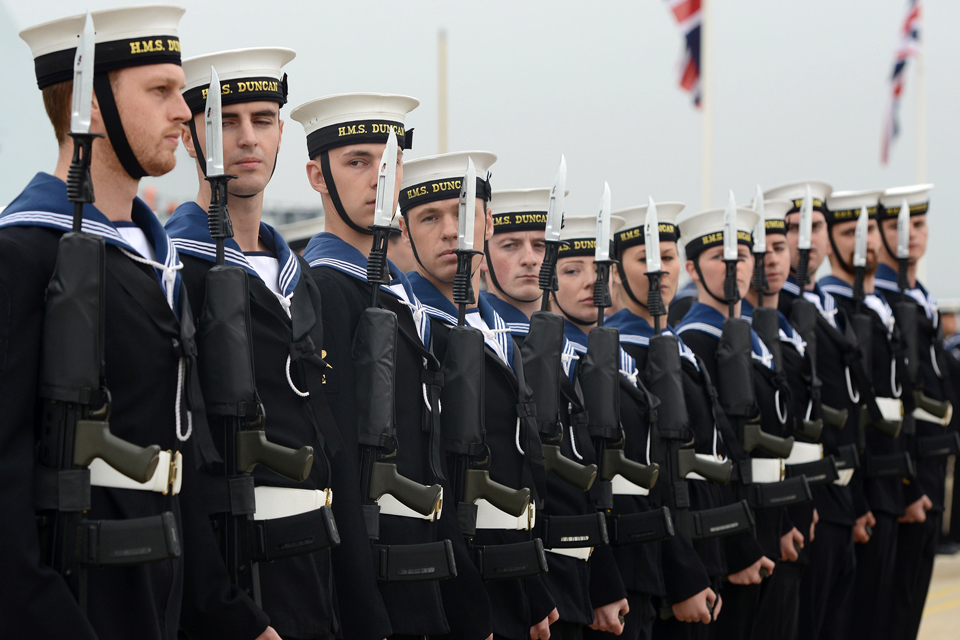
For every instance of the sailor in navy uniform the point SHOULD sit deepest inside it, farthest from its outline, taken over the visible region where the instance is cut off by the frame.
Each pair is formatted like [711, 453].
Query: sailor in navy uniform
[919, 533]
[524, 608]
[701, 329]
[297, 592]
[346, 136]
[827, 580]
[691, 569]
[512, 260]
[779, 606]
[883, 494]
[147, 328]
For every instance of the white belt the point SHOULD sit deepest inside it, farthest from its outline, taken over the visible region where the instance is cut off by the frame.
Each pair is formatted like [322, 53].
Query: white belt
[489, 517]
[693, 475]
[390, 506]
[623, 487]
[845, 476]
[166, 479]
[580, 553]
[282, 502]
[890, 408]
[804, 452]
[767, 470]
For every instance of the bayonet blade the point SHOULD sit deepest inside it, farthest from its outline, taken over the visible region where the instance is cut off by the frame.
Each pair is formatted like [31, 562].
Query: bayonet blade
[555, 208]
[213, 121]
[903, 231]
[760, 231]
[860, 246]
[651, 237]
[386, 183]
[468, 208]
[806, 221]
[602, 251]
[730, 229]
[83, 79]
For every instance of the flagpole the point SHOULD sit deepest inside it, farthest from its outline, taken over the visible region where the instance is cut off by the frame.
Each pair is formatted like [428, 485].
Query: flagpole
[706, 102]
[442, 91]
[921, 159]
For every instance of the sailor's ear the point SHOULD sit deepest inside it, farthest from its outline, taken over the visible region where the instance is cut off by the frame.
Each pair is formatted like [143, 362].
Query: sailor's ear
[692, 271]
[187, 138]
[315, 176]
[488, 224]
[280, 137]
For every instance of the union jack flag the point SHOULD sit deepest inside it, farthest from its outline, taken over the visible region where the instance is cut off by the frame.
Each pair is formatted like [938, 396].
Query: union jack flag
[909, 46]
[687, 14]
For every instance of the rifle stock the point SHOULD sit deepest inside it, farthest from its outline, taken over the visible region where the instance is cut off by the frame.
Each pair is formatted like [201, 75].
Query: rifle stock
[478, 485]
[384, 479]
[754, 437]
[714, 470]
[253, 448]
[578, 475]
[614, 463]
[94, 440]
[836, 418]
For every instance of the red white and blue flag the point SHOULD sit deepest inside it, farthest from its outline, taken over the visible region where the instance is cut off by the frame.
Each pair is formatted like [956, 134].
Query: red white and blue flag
[909, 46]
[687, 14]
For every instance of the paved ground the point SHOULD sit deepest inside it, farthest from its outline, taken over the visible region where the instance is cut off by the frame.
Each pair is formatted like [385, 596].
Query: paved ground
[941, 616]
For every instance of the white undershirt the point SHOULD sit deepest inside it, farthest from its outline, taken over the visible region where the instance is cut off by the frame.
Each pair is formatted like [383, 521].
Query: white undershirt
[137, 239]
[268, 268]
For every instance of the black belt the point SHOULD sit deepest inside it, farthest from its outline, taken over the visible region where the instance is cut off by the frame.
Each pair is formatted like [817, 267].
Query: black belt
[294, 535]
[637, 528]
[847, 457]
[130, 541]
[769, 495]
[415, 562]
[511, 561]
[818, 472]
[573, 532]
[894, 465]
[714, 523]
[938, 446]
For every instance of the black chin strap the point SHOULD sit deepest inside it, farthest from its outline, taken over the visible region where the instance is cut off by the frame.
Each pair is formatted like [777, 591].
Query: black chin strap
[114, 127]
[573, 319]
[836, 253]
[626, 286]
[883, 237]
[696, 265]
[493, 277]
[335, 197]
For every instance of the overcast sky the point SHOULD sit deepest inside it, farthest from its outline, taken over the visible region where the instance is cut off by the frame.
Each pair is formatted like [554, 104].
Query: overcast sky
[801, 93]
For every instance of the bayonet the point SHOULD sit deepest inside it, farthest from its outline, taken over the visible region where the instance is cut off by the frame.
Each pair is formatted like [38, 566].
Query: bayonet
[651, 240]
[213, 121]
[548, 268]
[860, 246]
[468, 208]
[760, 283]
[386, 183]
[804, 241]
[602, 251]
[79, 182]
[903, 231]
[730, 254]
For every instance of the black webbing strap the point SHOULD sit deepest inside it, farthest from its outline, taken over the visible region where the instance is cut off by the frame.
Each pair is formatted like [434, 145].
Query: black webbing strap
[534, 471]
[114, 126]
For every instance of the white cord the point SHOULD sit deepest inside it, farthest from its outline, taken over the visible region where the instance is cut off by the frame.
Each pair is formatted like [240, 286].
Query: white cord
[169, 273]
[933, 359]
[897, 389]
[573, 444]
[302, 394]
[427, 402]
[418, 312]
[854, 397]
[519, 448]
[286, 302]
[180, 375]
[781, 415]
[809, 409]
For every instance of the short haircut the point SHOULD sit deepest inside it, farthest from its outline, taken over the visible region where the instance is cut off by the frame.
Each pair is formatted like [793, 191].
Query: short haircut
[57, 100]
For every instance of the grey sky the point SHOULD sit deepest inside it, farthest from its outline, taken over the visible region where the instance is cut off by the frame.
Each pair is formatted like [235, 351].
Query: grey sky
[801, 92]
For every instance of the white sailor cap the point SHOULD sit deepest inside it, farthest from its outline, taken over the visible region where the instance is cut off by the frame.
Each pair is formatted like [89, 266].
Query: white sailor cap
[246, 75]
[774, 214]
[297, 234]
[917, 197]
[440, 177]
[704, 229]
[636, 218]
[844, 206]
[580, 235]
[796, 192]
[520, 209]
[354, 118]
[127, 37]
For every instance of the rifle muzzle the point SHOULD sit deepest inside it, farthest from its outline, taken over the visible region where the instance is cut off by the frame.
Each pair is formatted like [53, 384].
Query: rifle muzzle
[579, 475]
[478, 485]
[942, 409]
[810, 429]
[836, 418]
[754, 436]
[714, 470]
[94, 440]
[384, 478]
[889, 428]
[253, 448]
[615, 463]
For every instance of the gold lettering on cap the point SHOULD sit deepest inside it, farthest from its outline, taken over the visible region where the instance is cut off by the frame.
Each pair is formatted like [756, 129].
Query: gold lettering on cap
[417, 192]
[146, 46]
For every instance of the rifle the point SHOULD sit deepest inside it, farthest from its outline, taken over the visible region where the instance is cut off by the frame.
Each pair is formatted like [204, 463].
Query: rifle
[228, 380]
[75, 402]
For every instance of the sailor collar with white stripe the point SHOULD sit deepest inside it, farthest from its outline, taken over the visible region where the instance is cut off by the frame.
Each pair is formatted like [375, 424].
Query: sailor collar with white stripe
[636, 330]
[837, 287]
[826, 305]
[327, 250]
[576, 343]
[788, 333]
[708, 320]
[517, 321]
[190, 233]
[43, 203]
[496, 333]
[886, 279]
